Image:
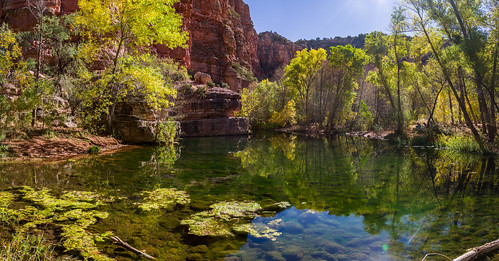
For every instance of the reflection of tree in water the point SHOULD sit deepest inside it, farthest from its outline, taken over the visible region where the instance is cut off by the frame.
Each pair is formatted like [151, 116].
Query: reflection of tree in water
[426, 200]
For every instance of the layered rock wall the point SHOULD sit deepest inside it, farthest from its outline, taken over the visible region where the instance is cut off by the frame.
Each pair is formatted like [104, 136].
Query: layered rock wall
[221, 34]
[17, 14]
[212, 114]
[274, 53]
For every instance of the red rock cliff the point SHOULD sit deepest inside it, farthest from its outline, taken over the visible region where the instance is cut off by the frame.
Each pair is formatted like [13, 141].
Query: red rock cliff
[222, 35]
[221, 31]
[274, 53]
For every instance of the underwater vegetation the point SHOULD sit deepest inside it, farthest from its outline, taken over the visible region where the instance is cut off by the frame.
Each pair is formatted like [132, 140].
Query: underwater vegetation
[39, 210]
[163, 198]
[226, 218]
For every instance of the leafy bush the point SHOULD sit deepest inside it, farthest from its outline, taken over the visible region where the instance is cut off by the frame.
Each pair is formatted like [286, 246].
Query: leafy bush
[94, 149]
[260, 104]
[244, 72]
[286, 116]
[167, 132]
[201, 91]
[466, 144]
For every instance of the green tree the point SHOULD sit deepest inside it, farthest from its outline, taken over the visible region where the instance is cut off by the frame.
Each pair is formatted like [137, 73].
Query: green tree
[388, 53]
[300, 75]
[121, 31]
[14, 77]
[260, 104]
[348, 64]
[426, 14]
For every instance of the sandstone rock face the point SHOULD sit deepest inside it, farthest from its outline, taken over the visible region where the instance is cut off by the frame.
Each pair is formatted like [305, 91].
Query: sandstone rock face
[222, 34]
[212, 115]
[135, 122]
[216, 103]
[274, 53]
[17, 14]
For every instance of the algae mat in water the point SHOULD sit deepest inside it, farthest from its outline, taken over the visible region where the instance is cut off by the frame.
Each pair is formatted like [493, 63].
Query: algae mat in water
[350, 199]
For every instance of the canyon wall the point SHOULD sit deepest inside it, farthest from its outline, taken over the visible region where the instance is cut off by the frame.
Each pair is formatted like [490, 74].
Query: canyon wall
[274, 53]
[222, 35]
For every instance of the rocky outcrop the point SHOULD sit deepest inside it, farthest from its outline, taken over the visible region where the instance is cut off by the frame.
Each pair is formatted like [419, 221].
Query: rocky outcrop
[200, 114]
[274, 53]
[221, 35]
[135, 122]
[211, 113]
[17, 14]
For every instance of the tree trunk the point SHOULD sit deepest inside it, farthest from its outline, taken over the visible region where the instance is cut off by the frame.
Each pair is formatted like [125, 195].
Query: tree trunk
[492, 124]
[451, 109]
[467, 118]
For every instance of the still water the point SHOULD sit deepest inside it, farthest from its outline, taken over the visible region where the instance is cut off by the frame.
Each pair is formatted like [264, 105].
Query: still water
[350, 198]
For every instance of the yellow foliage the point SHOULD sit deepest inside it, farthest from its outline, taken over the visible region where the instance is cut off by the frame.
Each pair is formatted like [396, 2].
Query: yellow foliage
[286, 116]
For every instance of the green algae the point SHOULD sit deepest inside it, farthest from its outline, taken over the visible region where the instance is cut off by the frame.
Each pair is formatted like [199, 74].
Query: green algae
[221, 219]
[6, 198]
[73, 213]
[76, 238]
[163, 198]
[207, 226]
[69, 200]
[230, 210]
[258, 230]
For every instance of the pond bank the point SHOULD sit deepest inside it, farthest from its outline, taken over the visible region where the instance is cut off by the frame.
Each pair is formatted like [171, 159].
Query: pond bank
[57, 143]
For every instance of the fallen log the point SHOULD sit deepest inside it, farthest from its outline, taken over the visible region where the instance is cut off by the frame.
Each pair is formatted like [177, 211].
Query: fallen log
[122, 243]
[480, 251]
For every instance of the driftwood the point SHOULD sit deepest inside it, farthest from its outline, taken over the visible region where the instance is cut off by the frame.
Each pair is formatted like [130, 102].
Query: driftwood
[480, 251]
[122, 243]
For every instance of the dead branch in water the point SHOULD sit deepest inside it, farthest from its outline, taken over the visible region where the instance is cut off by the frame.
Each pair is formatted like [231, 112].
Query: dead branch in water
[473, 254]
[480, 251]
[122, 243]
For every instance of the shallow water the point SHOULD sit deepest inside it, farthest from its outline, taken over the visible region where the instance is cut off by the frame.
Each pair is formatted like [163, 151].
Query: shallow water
[351, 198]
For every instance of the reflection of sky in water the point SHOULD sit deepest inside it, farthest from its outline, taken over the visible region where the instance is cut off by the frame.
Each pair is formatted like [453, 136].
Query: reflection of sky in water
[310, 235]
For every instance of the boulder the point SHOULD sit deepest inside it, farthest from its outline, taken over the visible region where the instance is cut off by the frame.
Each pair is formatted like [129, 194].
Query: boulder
[202, 78]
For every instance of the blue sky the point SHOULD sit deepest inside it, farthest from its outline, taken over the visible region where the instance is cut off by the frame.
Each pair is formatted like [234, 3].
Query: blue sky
[309, 19]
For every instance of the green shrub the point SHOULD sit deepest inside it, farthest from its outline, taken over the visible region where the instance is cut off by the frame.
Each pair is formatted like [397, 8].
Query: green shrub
[211, 84]
[244, 72]
[167, 132]
[466, 144]
[201, 92]
[94, 149]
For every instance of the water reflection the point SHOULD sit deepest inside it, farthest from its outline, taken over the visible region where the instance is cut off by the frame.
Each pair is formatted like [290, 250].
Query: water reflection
[312, 235]
[353, 199]
[424, 200]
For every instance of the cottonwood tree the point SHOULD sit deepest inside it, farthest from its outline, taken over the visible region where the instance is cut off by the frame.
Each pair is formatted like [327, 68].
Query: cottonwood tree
[118, 34]
[348, 65]
[300, 75]
[421, 15]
